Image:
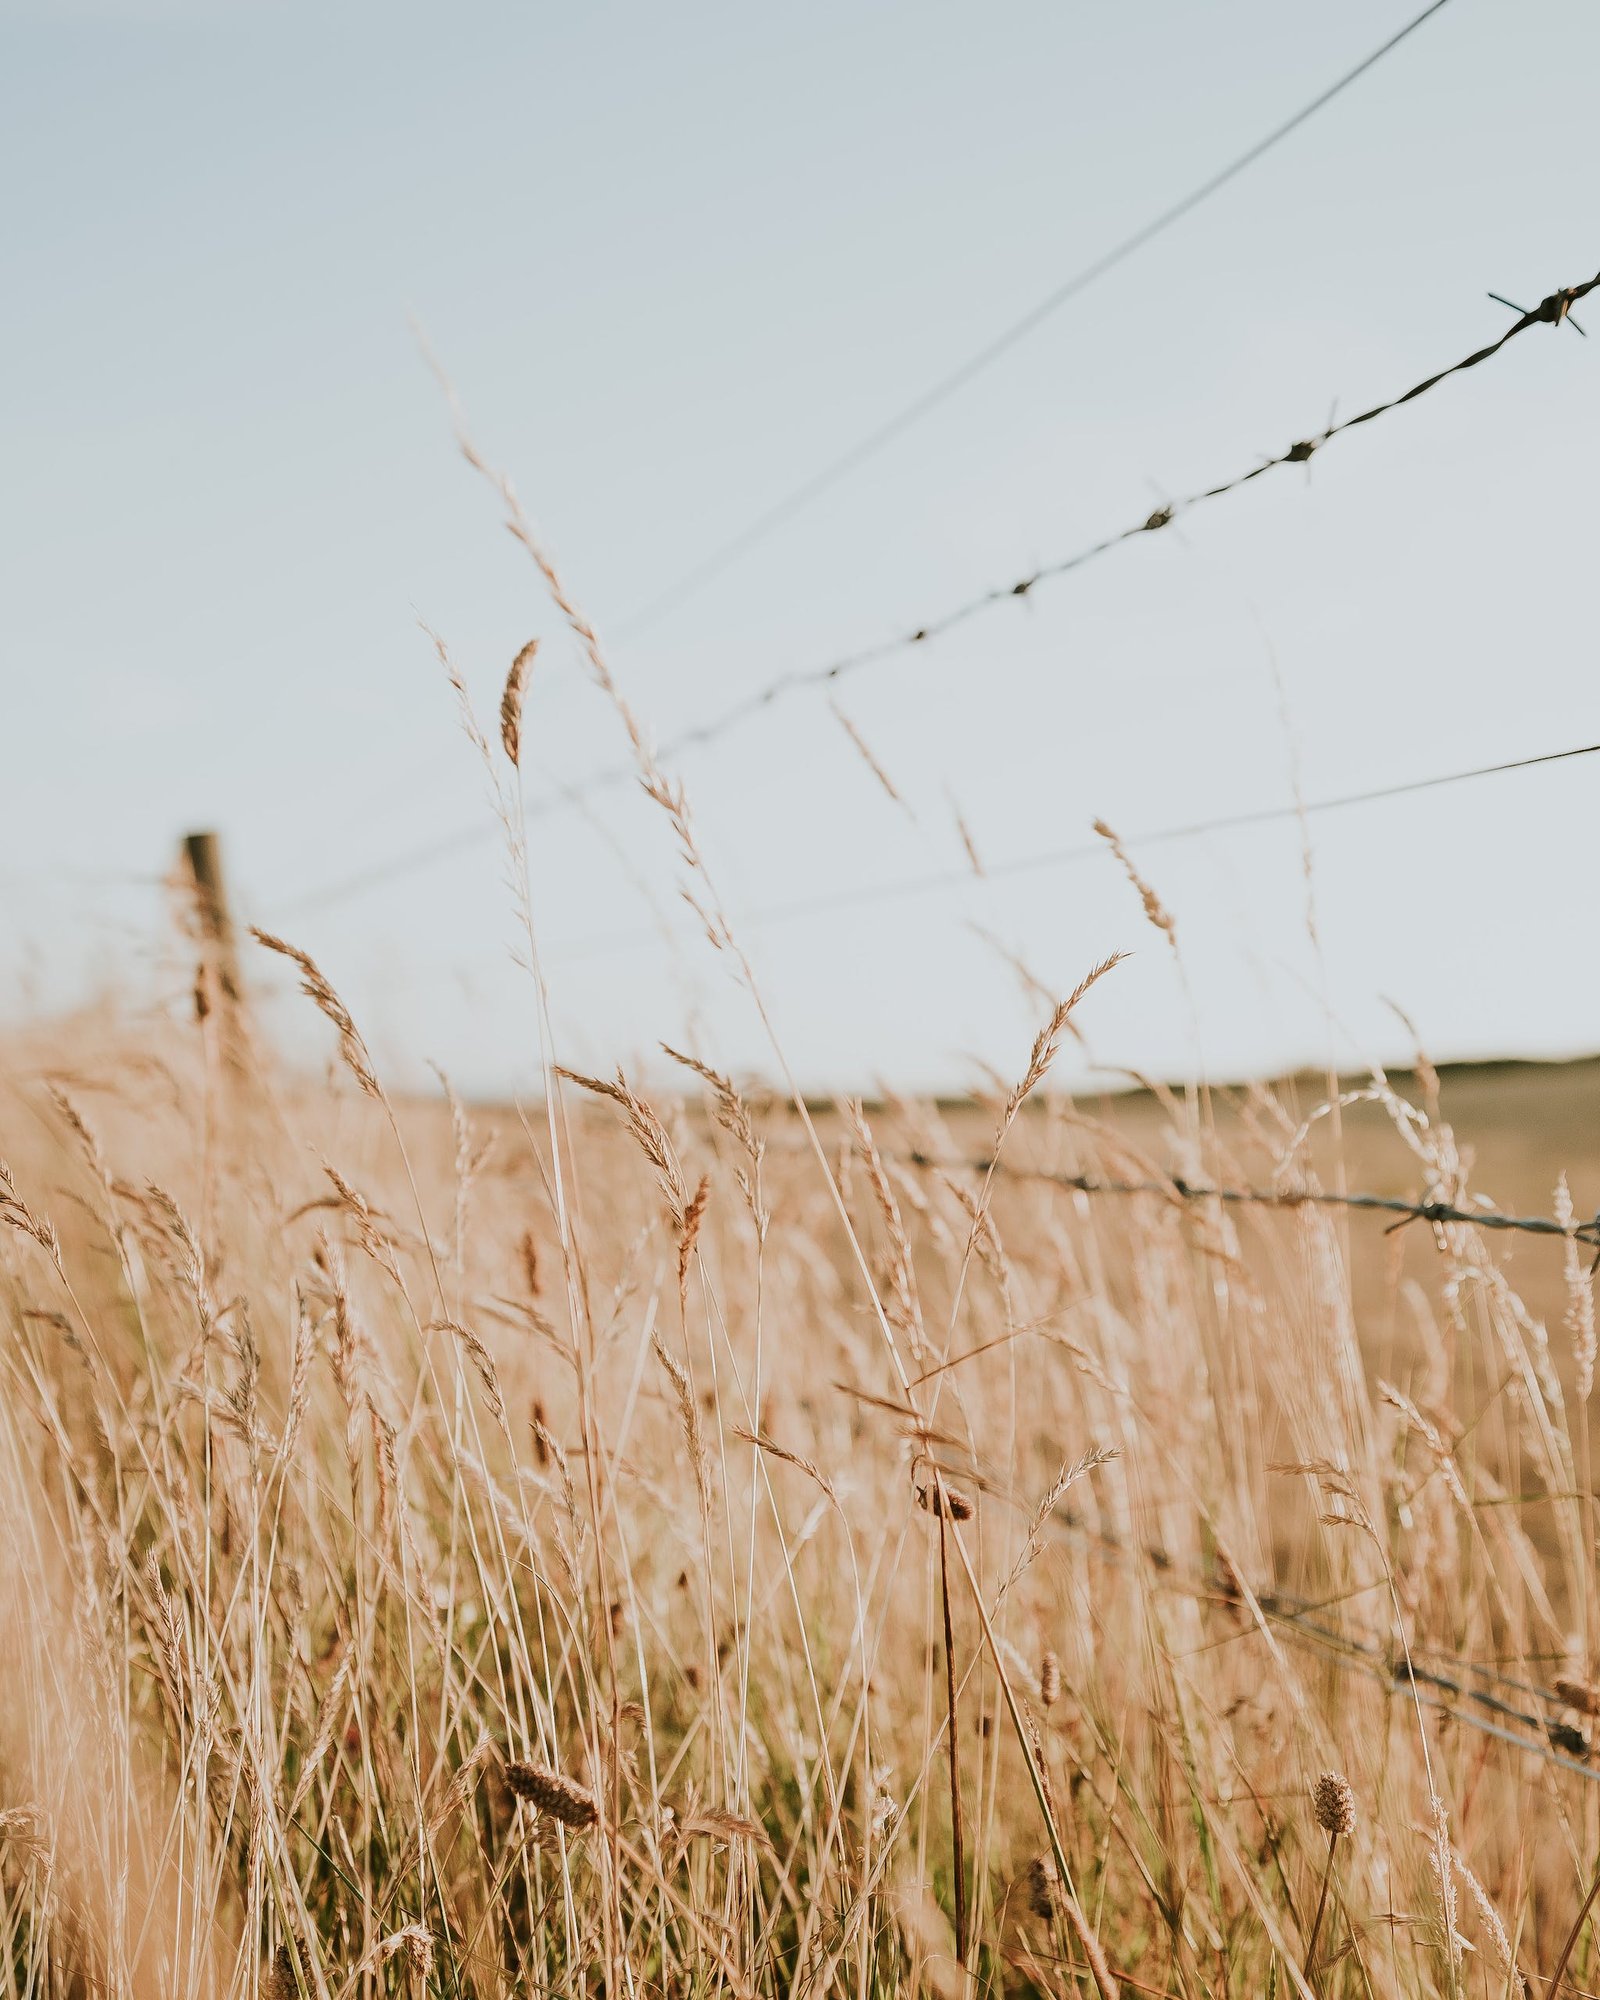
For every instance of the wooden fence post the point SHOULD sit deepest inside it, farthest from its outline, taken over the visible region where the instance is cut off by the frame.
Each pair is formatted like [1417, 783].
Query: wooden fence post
[203, 852]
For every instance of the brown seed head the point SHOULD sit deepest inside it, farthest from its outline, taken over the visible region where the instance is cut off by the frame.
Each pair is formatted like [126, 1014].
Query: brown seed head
[1334, 1804]
[1044, 1887]
[415, 1945]
[531, 1274]
[511, 701]
[280, 1982]
[314, 984]
[1049, 1680]
[955, 1506]
[552, 1794]
[693, 1216]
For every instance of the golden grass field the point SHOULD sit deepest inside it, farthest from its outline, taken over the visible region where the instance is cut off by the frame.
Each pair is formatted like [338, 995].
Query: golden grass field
[489, 1552]
[670, 1540]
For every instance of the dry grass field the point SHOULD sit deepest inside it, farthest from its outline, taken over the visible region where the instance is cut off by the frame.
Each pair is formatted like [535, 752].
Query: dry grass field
[668, 1543]
[662, 1540]
[686, 1535]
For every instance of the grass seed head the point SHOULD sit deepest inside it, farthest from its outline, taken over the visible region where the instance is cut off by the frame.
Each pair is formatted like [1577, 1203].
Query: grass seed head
[953, 1504]
[1044, 1887]
[1334, 1804]
[280, 1982]
[552, 1794]
[511, 702]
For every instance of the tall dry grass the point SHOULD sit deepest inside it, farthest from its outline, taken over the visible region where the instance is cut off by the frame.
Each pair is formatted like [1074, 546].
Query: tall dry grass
[408, 1589]
[679, 1542]
[378, 1622]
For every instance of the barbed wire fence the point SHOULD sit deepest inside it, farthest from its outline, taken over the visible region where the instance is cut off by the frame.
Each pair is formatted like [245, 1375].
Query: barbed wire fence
[1551, 1721]
[1548, 1725]
[938, 393]
[1177, 1188]
[1551, 311]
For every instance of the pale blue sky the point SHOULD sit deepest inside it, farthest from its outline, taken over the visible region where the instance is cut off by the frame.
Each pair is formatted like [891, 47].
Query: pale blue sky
[676, 258]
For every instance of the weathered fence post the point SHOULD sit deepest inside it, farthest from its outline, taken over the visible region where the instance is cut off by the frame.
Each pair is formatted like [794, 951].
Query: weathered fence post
[219, 948]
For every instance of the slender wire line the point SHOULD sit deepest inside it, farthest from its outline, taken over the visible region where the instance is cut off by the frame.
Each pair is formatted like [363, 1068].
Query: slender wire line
[1550, 311]
[904, 888]
[876, 440]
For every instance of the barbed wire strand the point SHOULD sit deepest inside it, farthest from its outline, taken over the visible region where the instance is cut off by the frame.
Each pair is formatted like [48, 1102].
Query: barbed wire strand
[1423, 1673]
[1553, 1741]
[788, 505]
[1550, 311]
[1177, 1187]
[1286, 1606]
[1555, 1737]
[1350, 1656]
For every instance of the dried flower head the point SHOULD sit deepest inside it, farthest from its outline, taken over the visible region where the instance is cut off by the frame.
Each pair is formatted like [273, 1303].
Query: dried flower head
[1049, 1679]
[1334, 1804]
[1044, 1887]
[414, 1943]
[552, 1794]
[15, 1211]
[1154, 910]
[1581, 1695]
[280, 1982]
[953, 1504]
